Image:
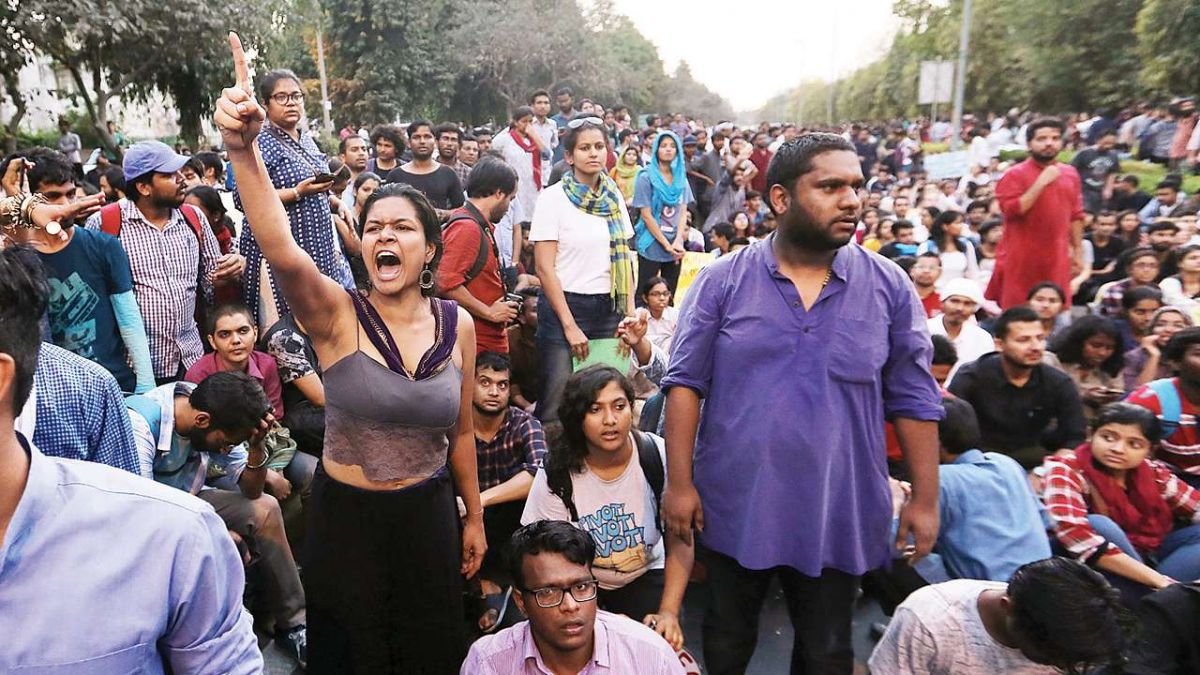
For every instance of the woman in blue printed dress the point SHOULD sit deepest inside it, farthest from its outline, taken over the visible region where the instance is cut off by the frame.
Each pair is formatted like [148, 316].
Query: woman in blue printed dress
[293, 162]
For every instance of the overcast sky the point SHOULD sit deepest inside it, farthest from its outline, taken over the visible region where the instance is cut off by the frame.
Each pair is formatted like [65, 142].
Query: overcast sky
[750, 50]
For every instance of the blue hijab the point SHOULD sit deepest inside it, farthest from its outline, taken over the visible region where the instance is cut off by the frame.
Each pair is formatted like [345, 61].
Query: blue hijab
[667, 195]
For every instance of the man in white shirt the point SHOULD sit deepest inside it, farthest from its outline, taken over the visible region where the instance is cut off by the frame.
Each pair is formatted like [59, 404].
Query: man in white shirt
[546, 127]
[960, 300]
[1053, 615]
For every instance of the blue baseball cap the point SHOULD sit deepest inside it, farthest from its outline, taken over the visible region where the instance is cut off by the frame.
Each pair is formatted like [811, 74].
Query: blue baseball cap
[151, 156]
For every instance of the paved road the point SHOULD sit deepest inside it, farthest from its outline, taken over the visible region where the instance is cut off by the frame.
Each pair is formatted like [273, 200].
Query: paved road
[772, 656]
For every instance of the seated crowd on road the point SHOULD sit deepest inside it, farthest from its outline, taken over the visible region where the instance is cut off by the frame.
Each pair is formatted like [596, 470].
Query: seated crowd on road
[454, 399]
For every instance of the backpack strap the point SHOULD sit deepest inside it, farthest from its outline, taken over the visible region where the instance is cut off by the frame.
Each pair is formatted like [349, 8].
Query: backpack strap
[486, 240]
[1168, 400]
[110, 219]
[652, 466]
[192, 216]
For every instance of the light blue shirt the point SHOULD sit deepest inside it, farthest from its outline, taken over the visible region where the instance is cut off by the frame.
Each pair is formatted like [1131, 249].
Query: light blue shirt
[991, 522]
[105, 572]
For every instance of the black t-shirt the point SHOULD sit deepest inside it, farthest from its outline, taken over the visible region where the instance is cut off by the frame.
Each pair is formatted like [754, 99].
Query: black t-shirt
[1095, 167]
[441, 186]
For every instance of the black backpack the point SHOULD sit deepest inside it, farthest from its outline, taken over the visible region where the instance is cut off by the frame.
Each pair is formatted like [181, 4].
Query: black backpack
[652, 466]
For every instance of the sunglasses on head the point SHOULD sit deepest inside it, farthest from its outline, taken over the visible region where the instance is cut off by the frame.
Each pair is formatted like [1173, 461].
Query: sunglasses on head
[578, 122]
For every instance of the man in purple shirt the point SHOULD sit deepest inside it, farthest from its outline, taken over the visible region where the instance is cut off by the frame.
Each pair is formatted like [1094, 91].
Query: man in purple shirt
[102, 571]
[833, 339]
[551, 566]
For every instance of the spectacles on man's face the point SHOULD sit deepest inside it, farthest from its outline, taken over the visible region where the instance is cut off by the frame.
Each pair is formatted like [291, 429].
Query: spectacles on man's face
[284, 99]
[580, 121]
[552, 596]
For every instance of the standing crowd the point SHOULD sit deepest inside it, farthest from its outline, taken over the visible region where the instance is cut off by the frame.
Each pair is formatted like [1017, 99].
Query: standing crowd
[433, 405]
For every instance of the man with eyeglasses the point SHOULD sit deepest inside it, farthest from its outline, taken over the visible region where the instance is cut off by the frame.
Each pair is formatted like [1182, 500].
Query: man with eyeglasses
[551, 566]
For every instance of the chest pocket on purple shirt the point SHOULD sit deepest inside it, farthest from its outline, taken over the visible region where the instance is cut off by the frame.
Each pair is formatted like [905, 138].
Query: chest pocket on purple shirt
[137, 660]
[857, 350]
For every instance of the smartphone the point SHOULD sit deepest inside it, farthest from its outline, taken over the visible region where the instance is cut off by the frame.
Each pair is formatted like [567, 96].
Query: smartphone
[323, 178]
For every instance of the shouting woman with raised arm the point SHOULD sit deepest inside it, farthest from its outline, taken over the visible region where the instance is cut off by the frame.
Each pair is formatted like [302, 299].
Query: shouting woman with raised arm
[383, 570]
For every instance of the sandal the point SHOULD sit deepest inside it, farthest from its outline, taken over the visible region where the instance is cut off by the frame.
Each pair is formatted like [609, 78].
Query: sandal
[495, 603]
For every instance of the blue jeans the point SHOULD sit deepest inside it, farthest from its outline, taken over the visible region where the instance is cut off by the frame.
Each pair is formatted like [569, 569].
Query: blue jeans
[595, 316]
[1178, 555]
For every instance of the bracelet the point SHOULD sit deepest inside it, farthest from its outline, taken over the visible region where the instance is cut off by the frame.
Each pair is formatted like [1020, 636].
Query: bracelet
[295, 195]
[16, 212]
[475, 513]
[266, 458]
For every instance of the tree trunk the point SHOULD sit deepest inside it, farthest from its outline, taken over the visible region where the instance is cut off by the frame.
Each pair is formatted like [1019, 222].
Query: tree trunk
[14, 123]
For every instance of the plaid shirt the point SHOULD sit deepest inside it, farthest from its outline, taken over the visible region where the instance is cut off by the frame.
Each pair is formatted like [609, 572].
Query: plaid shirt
[78, 411]
[463, 171]
[519, 445]
[169, 267]
[1067, 496]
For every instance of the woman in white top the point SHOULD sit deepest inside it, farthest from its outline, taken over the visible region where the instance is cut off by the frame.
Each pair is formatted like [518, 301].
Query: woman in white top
[1182, 290]
[956, 252]
[580, 234]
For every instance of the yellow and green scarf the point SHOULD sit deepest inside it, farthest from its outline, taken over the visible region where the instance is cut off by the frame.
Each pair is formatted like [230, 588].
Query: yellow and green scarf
[605, 202]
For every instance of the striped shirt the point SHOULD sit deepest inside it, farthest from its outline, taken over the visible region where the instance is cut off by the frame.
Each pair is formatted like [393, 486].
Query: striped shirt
[169, 267]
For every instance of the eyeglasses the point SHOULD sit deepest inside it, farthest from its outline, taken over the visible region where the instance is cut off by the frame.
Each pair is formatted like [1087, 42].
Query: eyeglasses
[284, 99]
[580, 121]
[552, 596]
[659, 294]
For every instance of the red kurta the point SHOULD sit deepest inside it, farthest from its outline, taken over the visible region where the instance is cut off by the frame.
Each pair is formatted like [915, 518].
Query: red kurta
[1037, 245]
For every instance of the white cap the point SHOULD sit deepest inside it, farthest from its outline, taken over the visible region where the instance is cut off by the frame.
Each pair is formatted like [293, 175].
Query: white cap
[964, 287]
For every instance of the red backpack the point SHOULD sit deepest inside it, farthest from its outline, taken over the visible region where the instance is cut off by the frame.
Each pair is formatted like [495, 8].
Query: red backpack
[110, 220]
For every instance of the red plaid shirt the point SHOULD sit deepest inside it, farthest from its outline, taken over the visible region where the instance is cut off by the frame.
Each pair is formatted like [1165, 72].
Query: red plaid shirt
[1068, 498]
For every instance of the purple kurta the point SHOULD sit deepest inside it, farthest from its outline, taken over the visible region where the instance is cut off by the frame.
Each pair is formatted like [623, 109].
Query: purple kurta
[790, 460]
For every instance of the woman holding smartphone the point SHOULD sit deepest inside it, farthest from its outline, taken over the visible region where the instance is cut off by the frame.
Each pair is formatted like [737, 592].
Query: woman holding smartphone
[300, 175]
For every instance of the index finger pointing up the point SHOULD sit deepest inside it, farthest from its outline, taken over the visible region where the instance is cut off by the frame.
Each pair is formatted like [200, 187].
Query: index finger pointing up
[241, 72]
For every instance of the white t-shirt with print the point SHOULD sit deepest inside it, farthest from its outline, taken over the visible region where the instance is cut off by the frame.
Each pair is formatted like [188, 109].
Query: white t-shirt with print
[583, 263]
[938, 631]
[618, 513]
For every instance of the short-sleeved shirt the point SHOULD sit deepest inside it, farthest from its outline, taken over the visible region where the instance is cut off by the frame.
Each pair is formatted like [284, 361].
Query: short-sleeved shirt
[622, 646]
[83, 278]
[261, 367]
[441, 185]
[618, 514]
[938, 631]
[1095, 167]
[171, 269]
[792, 438]
[583, 264]
[669, 218]
[461, 246]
